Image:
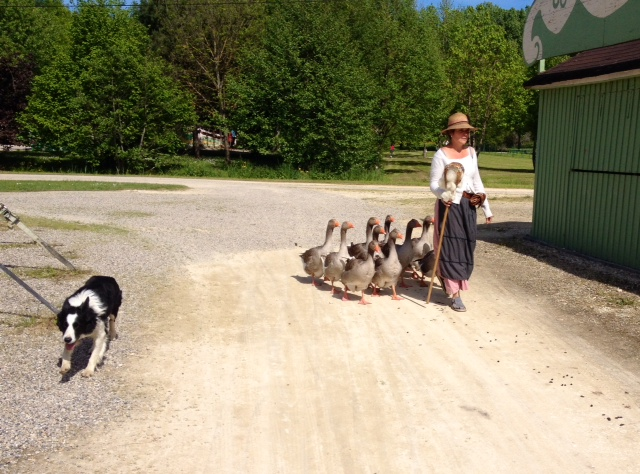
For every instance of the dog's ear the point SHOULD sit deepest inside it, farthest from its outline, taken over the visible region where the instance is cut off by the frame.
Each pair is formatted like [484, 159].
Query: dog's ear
[60, 320]
[85, 305]
[63, 311]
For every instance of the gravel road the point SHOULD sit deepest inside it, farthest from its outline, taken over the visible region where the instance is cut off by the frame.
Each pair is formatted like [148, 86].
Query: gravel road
[229, 358]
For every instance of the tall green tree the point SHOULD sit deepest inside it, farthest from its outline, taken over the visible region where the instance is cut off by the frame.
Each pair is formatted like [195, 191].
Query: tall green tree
[109, 99]
[38, 29]
[202, 41]
[32, 34]
[304, 92]
[485, 71]
[399, 49]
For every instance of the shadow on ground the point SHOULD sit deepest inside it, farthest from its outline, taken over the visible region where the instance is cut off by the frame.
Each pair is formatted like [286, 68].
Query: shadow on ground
[517, 237]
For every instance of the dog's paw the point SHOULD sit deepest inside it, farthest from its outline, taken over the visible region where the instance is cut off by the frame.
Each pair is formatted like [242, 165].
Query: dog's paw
[65, 367]
[87, 372]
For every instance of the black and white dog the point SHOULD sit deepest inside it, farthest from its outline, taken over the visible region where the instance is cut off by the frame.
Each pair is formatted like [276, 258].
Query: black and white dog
[84, 314]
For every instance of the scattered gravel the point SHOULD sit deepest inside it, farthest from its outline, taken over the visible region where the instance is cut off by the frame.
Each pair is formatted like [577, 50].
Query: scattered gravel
[145, 238]
[138, 237]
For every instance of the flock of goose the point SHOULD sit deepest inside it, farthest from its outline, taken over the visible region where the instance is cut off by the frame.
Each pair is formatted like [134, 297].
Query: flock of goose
[374, 263]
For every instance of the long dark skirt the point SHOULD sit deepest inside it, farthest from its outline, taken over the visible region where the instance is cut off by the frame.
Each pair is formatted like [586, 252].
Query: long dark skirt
[456, 258]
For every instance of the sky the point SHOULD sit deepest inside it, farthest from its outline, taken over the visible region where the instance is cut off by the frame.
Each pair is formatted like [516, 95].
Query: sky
[506, 4]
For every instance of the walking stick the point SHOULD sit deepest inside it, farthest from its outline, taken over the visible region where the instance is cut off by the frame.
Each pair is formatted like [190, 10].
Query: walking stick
[435, 268]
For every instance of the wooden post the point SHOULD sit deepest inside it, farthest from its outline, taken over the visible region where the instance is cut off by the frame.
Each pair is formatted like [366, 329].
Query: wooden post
[435, 268]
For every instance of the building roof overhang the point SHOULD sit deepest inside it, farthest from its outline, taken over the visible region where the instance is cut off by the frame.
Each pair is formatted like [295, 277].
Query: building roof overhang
[598, 65]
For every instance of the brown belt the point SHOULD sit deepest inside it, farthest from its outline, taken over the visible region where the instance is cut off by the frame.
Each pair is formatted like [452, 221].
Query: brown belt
[474, 199]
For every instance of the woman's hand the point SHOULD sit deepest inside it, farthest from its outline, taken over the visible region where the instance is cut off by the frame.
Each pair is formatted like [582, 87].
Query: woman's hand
[489, 220]
[447, 203]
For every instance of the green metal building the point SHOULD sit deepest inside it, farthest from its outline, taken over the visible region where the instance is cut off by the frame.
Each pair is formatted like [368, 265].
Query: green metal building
[587, 189]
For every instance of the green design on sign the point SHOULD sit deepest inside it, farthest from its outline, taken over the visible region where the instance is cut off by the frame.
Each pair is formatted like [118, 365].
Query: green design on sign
[556, 27]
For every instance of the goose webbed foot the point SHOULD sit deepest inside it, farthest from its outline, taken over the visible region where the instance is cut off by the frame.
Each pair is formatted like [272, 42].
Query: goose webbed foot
[362, 300]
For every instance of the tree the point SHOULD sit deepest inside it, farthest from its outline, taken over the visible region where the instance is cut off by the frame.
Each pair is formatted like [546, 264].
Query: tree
[32, 33]
[34, 28]
[202, 41]
[16, 74]
[109, 99]
[304, 92]
[485, 71]
[399, 48]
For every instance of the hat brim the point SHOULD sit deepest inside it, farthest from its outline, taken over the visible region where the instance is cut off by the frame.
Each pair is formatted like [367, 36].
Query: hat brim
[459, 126]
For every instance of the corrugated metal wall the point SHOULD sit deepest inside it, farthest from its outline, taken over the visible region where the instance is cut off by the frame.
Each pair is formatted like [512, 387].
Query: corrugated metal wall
[587, 191]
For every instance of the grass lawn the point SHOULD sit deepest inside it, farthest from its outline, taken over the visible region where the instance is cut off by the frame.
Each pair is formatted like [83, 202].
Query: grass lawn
[7, 186]
[498, 170]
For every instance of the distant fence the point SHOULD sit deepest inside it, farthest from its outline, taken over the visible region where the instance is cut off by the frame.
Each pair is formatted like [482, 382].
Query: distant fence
[520, 151]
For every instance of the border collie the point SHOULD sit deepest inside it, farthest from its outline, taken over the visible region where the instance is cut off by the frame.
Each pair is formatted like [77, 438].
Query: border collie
[84, 314]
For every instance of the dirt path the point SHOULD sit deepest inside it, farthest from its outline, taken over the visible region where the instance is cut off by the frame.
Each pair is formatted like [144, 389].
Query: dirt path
[254, 370]
[244, 367]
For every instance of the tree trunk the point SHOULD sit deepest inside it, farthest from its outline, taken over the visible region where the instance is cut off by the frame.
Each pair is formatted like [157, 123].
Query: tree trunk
[533, 156]
[227, 154]
[196, 143]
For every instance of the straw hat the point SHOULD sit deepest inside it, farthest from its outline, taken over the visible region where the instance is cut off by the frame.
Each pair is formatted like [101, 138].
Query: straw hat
[458, 121]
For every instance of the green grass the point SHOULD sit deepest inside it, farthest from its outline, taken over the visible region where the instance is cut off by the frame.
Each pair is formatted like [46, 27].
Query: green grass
[30, 322]
[622, 302]
[8, 186]
[49, 273]
[498, 170]
[248, 169]
[43, 222]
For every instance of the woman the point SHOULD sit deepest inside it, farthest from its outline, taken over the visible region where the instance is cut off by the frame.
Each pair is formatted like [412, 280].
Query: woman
[456, 257]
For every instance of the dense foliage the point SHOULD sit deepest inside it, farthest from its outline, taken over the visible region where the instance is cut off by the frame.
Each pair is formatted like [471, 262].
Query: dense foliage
[325, 86]
[29, 40]
[108, 98]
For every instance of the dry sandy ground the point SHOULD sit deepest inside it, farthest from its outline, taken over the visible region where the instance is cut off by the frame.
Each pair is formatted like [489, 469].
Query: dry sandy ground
[250, 369]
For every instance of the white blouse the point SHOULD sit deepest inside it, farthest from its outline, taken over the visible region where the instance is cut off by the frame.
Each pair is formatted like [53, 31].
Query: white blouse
[471, 181]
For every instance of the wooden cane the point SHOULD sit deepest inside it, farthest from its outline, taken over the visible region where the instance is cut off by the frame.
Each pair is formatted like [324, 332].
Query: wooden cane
[435, 268]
